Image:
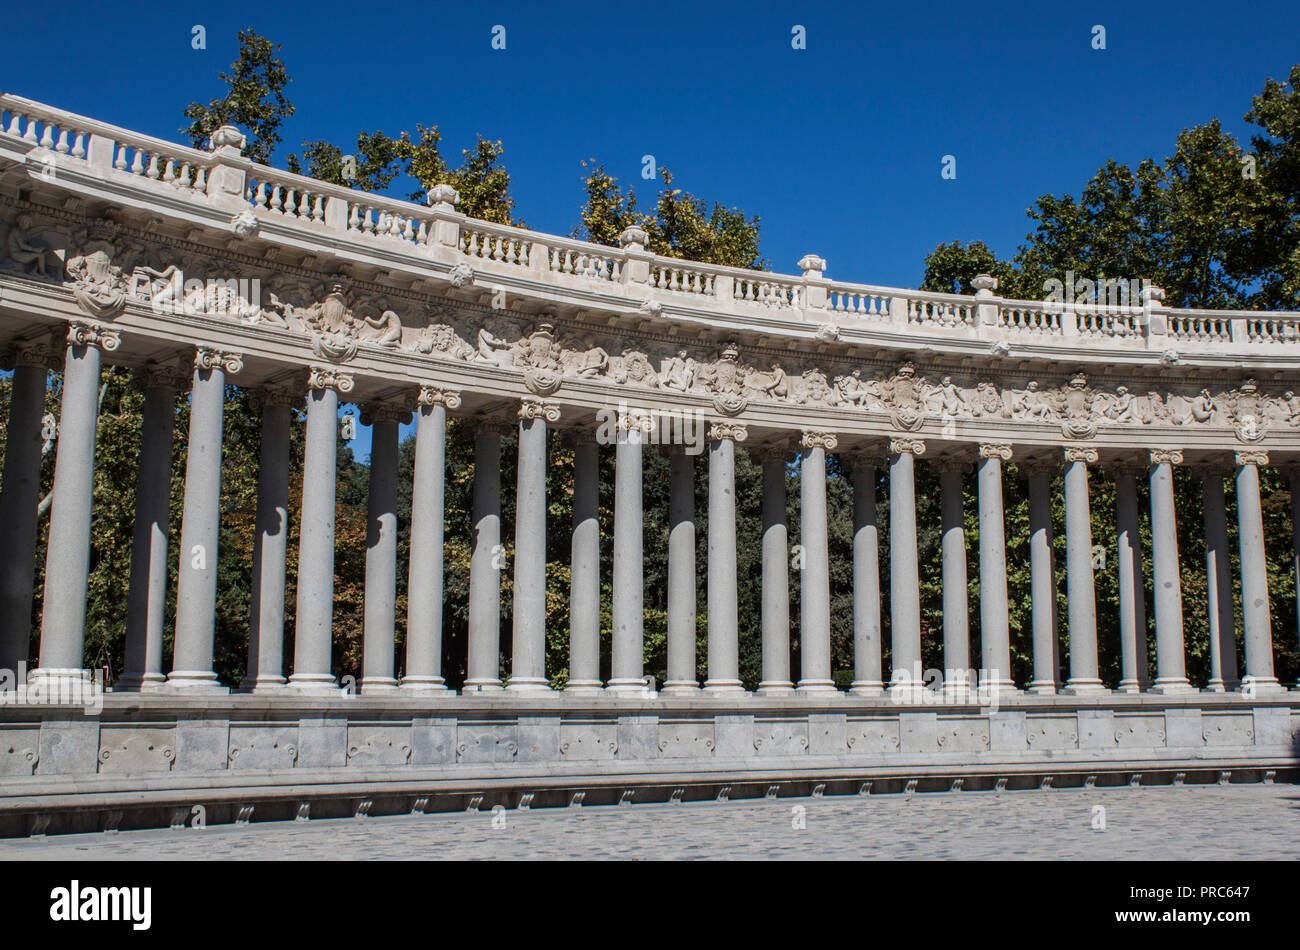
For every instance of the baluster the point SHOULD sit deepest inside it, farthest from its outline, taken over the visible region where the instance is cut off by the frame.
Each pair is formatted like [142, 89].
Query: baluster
[30, 134]
[62, 147]
[318, 209]
[13, 123]
[154, 171]
[201, 180]
[304, 207]
[137, 162]
[79, 145]
[422, 235]
[368, 223]
[47, 135]
[169, 171]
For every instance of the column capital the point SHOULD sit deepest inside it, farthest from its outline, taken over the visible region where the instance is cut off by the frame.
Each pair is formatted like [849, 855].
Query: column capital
[728, 432]
[1081, 453]
[170, 375]
[864, 458]
[818, 439]
[531, 407]
[372, 412]
[37, 354]
[209, 357]
[88, 333]
[952, 463]
[1252, 457]
[438, 396]
[771, 452]
[1126, 466]
[995, 450]
[282, 396]
[635, 420]
[908, 446]
[1039, 466]
[491, 425]
[327, 377]
[1166, 456]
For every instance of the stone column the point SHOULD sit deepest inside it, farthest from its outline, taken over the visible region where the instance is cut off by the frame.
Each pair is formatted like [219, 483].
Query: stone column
[1295, 540]
[584, 574]
[1218, 584]
[1256, 624]
[956, 630]
[1081, 605]
[1171, 671]
[904, 574]
[995, 636]
[682, 676]
[147, 596]
[270, 544]
[196, 588]
[424, 582]
[314, 628]
[1128, 568]
[528, 664]
[815, 582]
[776, 575]
[20, 497]
[1042, 580]
[483, 671]
[866, 581]
[67, 556]
[627, 666]
[378, 659]
[724, 635]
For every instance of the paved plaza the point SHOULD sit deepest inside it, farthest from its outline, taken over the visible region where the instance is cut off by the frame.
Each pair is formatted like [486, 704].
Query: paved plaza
[1191, 822]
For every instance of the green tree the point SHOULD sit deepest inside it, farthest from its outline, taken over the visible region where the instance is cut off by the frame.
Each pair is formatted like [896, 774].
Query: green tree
[254, 99]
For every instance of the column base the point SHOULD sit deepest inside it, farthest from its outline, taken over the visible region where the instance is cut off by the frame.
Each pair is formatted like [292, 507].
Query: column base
[910, 691]
[999, 686]
[1132, 687]
[528, 686]
[1216, 686]
[628, 687]
[584, 688]
[265, 684]
[1260, 686]
[424, 685]
[1084, 687]
[51, 679]
[724, 688]
[372, 685]
[776, 688]
[1042, 688]
[320, 684]
[194, 681]
[817, 687]
[680, 688]
[140, 683]
[1173, 686]
[866, 688]
[473, 687]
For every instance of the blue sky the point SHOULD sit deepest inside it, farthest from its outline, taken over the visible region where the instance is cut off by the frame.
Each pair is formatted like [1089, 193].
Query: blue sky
[837, 147]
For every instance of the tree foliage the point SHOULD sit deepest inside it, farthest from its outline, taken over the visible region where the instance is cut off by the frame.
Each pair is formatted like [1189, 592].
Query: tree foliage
[254, 99]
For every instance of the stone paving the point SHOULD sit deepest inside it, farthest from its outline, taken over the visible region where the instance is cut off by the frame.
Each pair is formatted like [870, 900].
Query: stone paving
[1197, 822]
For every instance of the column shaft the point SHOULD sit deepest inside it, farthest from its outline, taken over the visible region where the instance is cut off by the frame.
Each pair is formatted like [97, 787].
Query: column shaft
[627, 669]
[1171, 671]
[424, 583]
[776, 581]
[196, 588]
[147, 596]
[1256, 623]
[1042, 584]
[484, 661]
[1128, 567]
[956, 627]
[314, 628]
[815, 581]
[19, 498]
[1081, 607]
[584, 575]
[1295, 543]
[866, 583]
[682, 675]
[67, 557]
[1218, 583]
[724, 638]
[270, 549]
[995, 636]
[904, 575]
[528, 662]
[379, 643]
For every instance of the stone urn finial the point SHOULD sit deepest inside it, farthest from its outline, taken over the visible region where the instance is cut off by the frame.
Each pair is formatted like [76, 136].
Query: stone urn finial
[633, 237]
[812, 265]
[443, 196]
[984, 285]
[227, 136]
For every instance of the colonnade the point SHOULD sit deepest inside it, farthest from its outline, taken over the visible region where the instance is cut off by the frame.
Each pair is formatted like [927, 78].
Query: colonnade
[68, 565]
